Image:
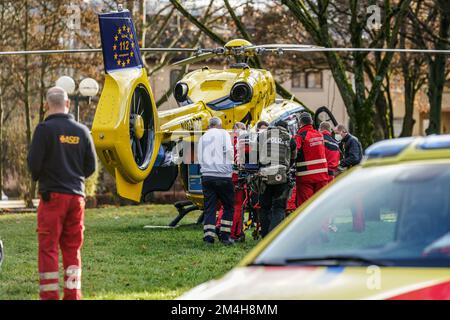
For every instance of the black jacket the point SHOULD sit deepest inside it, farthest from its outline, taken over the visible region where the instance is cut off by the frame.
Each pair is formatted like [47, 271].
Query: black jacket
[351, 147]
[61, 155]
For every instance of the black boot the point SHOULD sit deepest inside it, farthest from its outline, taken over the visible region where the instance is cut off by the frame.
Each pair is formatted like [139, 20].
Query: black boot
[208, 240]
[225, 239]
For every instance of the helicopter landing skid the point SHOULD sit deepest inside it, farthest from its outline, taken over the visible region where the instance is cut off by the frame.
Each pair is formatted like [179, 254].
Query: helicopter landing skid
[184, 207]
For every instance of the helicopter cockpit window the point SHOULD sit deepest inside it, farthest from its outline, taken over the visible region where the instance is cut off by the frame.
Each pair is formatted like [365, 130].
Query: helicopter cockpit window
[293, 124]
[292, 118]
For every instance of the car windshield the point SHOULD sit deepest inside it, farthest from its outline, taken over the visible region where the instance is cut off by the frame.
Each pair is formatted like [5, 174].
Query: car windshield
[396, 215]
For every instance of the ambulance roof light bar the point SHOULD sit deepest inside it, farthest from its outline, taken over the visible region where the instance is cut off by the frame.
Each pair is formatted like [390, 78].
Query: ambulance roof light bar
[388, 148]
[435, 142]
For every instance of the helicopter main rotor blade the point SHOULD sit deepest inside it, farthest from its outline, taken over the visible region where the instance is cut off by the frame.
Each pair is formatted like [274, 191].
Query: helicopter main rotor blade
[280, 48]
[395, 50]
[284, 45]
[76, 51]
[257, 49]
[277, 48]
[194, 59]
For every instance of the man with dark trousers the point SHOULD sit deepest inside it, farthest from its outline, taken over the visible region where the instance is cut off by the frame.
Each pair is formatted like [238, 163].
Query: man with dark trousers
[60, 158]
[312, 168]
[215, 156]
[350, 146]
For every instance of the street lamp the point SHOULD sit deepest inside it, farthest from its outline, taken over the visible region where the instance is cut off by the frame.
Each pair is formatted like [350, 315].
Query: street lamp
[87, 89]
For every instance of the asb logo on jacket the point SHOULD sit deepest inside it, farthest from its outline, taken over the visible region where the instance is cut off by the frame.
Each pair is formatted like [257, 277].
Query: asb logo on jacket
[69, 139]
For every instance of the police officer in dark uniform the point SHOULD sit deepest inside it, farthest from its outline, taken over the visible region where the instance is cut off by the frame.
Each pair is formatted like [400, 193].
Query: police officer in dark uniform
[277, 151]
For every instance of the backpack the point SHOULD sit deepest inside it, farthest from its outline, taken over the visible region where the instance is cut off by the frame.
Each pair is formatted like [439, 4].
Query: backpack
[274, 155]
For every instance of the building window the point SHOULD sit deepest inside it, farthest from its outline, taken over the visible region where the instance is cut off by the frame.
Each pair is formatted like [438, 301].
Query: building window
[307, 80]
[298, 80]
[314, 80]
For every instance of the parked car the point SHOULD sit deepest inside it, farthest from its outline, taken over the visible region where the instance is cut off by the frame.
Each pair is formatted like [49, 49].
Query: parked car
[380, 231]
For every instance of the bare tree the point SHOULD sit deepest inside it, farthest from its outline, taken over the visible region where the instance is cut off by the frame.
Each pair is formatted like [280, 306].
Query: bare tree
[412, 70]
[315, 17]
[219, 40]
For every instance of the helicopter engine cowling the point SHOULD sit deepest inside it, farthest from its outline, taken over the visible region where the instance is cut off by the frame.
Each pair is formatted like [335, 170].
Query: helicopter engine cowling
[241, 92]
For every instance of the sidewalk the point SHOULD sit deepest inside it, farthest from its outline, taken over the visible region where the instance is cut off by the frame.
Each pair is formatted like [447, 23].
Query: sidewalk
[15, 204]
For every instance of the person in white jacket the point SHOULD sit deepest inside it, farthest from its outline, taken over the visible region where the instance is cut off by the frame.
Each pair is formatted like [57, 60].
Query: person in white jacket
[215, 156]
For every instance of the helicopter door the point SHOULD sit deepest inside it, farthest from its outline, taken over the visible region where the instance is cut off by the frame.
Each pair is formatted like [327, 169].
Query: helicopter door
[194, 179]
[324, 114]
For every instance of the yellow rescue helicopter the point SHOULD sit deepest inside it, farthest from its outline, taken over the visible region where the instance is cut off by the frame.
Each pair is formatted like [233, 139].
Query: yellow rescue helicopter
[133, 139]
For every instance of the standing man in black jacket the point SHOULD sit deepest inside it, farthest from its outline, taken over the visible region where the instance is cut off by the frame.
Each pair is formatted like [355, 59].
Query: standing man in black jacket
[61, 157]
[350, 146]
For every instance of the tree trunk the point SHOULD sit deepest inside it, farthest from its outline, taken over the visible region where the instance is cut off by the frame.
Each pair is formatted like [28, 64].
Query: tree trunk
[32, 185]
[381, 130]
[1, 141]
[437, 72]
[142, 22]
[408, 120]
[42, 90]
[283, 92]
[408, 89]
[360, 110]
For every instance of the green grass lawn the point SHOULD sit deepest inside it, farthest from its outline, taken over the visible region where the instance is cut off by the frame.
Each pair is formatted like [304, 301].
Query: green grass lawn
[121, 260]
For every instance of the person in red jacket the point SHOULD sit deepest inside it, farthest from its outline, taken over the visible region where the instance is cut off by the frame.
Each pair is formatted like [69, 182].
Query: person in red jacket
[239, 193]
[332, 151]
[312, 168]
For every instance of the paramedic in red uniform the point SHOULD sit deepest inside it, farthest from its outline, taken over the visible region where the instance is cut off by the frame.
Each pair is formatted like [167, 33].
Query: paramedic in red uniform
[61, 156]
[312, 169]
[239, 194]
[332, 151]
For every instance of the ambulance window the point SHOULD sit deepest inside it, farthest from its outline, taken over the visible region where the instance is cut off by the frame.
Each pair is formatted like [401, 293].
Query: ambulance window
[398, 214]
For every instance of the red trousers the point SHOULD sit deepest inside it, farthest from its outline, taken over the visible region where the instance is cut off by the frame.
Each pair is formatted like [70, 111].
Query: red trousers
[292, 201]
[306, 190]
[237, 227]
[60, 226]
